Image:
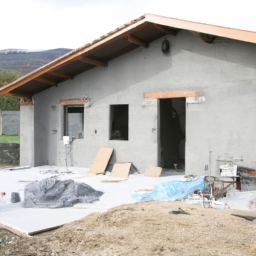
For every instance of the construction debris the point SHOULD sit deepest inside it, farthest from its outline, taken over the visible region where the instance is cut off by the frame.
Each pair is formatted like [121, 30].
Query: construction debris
[171, 190]
[179, 211]
[121, 170]
[111, 181]
[153, 171]
[100, 162]
[246, 217]
[54, 193]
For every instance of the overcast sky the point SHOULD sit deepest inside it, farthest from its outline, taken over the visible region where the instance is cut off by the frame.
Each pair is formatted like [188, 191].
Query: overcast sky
[49, 24]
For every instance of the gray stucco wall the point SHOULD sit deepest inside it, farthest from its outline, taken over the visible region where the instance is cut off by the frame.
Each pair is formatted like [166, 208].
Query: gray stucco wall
[10, 122]
[221, 128]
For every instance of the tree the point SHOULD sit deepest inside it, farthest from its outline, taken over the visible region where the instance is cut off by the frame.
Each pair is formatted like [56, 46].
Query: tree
[8, 102]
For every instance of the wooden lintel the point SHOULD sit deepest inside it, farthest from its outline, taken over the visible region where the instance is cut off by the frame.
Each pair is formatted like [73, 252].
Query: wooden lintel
[166, 30]
[21, 95]
[60, 75]
[134, 40]
[45, 81]
[94, 62]
[174, 94]
[204, 37]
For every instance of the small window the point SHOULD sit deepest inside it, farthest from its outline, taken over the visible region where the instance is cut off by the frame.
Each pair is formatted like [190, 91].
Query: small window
[74, 122]
[119, 115]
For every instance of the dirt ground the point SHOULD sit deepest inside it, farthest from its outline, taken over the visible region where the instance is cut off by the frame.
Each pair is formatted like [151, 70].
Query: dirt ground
[146, 228]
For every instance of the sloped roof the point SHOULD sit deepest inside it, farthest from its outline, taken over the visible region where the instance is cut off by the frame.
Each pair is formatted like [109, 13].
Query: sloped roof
[136, 33]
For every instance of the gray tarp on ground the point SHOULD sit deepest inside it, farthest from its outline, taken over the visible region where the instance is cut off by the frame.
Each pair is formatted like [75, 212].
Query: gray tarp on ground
[54, 193]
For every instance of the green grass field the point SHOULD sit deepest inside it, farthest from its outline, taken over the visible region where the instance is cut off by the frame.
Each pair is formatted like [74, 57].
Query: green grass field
[9, 139]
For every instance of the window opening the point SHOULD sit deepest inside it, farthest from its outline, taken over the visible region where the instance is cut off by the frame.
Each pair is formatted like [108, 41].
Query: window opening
[119, 116]
[74, 122]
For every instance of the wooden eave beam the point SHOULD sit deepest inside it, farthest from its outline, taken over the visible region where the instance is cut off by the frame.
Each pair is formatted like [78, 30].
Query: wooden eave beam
[94, 62]
[45, 81]
[204, 37]
[166, 30]
[135, 40]
[60, 75]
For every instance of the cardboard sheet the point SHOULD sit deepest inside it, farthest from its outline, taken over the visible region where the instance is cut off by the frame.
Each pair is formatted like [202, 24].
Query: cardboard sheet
[111, 181]
[121, 170]
[153, 171]
[100, 162]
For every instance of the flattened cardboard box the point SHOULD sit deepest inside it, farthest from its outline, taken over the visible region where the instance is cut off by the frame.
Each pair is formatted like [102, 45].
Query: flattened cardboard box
[121, 170]
[100, 162]
[153, 171]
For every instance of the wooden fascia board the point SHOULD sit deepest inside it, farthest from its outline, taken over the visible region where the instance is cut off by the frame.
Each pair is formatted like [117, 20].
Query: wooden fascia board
[76, 55]
[237, 34]
[174, 94]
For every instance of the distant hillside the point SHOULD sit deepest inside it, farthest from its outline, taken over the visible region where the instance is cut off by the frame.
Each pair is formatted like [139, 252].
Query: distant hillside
[23, 61]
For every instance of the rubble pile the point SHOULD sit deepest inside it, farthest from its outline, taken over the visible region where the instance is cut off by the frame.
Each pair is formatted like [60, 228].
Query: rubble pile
[54, 193]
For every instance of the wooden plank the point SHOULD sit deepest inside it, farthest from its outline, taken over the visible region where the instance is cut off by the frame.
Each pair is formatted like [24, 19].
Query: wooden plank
[111, 181]
[94, 62]
[204, 37]
[60, 75]
[134, 40]
[101, 160]
[14, 229]
[153, 171]
[44, 230]
[232, 33]
[45, 81]
[121, 170]
[174, 94]
[166, 30]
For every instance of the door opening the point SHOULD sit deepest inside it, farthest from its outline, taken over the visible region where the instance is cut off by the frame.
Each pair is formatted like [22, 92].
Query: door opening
[172, 133]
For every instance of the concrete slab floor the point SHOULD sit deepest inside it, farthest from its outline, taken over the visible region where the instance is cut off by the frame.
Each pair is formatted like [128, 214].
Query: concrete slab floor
[31, 220]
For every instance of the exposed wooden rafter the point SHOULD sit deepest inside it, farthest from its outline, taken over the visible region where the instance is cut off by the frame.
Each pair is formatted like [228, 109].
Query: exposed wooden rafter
[204, 37]
[167, 30]
[94, 62]
[59, 75]
[45, 81]
[134, 40]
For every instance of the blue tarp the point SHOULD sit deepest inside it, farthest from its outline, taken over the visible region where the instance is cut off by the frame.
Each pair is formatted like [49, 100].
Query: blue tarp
[171, 190]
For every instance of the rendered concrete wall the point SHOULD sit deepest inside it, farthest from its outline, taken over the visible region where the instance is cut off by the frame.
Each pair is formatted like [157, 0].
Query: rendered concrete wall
[222, 127]
[10, 122]
[27, 135]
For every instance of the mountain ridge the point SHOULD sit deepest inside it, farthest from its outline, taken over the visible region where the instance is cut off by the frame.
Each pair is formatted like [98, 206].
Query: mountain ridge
[23, 61]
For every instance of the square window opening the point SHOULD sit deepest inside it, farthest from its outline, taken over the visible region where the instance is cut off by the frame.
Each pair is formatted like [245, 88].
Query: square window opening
[119, 122]
[74, 121]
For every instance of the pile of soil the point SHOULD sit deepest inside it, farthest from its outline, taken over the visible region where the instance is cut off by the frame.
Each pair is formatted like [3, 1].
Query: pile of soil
[6, 237]
[147, 228]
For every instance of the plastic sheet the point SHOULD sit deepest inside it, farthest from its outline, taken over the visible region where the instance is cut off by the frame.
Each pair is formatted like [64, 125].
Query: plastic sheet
[171, 190]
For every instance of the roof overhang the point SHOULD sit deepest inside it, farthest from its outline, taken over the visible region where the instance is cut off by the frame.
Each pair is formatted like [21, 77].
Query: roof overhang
[137, 33]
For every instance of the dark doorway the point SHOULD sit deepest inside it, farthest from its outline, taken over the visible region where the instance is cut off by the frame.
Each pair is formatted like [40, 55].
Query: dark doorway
[172, 132]
[119, 122]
